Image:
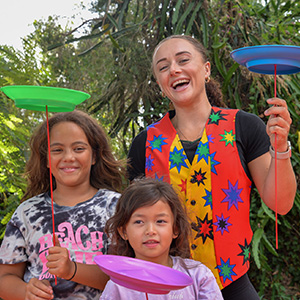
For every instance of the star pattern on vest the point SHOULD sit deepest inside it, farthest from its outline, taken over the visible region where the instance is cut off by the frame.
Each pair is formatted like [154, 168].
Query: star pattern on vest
[182, 186]
[177, 159]
[228, 137]
[210, 138]
[208, 198]
[216, 116]
[159, 178]
[149, 163]
[232, 195]
[222, 224]
[245, 252]
[198, 177]
[157, 142]
[213, 163]
[203, 228]
[202, 151]
[226, 270]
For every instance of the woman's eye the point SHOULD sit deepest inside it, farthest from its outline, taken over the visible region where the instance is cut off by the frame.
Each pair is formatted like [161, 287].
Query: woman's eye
[162, 68]
[184, 60]
[79, 149]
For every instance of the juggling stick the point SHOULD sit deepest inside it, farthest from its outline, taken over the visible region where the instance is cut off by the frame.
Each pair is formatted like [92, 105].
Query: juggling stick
[43, 98]
[272, 60]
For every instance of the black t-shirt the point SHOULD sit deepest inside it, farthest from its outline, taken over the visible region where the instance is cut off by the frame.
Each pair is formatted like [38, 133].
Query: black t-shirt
[251, 139]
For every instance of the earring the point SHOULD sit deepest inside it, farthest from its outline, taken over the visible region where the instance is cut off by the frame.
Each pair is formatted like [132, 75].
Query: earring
[207, 79]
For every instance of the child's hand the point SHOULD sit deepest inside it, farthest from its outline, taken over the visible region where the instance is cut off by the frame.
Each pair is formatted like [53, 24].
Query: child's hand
[59, 262]
[38, 290]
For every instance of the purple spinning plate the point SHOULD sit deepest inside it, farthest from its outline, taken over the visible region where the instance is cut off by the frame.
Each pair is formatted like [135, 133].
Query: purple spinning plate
[261, 59]
[141, 275]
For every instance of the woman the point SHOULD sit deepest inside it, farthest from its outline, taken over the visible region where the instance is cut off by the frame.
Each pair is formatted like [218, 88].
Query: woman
[212, 156]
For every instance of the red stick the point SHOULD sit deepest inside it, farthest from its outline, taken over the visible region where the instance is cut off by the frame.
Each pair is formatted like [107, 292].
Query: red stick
[275, 149]
[51, 187]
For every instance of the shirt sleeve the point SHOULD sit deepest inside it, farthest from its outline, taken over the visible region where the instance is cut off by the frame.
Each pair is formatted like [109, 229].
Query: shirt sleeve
[136, 156]
[13, 247]
[252, 136]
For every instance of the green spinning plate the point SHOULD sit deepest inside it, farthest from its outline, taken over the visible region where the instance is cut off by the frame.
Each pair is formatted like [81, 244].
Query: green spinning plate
[38, 97]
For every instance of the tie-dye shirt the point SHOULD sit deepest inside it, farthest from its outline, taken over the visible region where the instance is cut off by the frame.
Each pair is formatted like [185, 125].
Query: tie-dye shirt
[204, 285]
[79, 228]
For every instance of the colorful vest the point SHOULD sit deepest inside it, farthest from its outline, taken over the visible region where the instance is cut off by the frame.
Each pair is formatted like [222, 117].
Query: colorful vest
[214, 188]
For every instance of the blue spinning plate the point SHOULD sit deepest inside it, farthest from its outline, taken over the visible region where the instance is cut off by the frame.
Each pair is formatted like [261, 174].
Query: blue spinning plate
[262, 59]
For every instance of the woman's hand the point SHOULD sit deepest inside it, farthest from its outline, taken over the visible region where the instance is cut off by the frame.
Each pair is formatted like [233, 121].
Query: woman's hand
[38, 290]
[279, 123]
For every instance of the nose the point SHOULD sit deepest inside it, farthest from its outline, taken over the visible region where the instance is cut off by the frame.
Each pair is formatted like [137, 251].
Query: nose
[68, 155]
[150, 230]
[174, 69]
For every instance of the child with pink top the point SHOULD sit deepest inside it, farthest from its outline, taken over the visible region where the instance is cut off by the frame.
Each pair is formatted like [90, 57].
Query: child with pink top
[151, 224]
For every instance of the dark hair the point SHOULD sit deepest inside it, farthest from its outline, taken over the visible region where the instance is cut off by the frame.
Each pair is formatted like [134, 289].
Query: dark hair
[213, 91]
[107, 172]
[146, 192]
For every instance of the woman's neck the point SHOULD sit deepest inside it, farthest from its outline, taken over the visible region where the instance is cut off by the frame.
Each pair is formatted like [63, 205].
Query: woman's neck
[190, 122]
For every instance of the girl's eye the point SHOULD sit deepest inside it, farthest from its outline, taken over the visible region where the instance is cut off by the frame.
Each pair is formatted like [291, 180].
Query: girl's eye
[161, 221]
[56, 150]
[138, 222]
[79, 149]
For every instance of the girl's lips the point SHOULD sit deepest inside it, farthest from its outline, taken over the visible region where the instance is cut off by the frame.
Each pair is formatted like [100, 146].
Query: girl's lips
[151, 243]
[68, 170]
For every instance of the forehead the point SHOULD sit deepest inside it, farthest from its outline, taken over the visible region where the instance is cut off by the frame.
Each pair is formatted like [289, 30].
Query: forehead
[67, 128]
[173, 47]
[161, 206]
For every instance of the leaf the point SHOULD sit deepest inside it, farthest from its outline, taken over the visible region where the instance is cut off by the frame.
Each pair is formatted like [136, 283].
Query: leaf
[269, 245]
[176, 12]
[255, 243]
[112, 20]
[192, 18]
[204, 27]
[183, 17]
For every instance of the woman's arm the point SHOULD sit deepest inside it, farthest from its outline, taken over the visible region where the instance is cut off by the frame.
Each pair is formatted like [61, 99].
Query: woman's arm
[262, 169]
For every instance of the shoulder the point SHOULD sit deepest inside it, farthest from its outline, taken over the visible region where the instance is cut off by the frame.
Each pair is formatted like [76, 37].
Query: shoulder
[106, 197]
[249, 117]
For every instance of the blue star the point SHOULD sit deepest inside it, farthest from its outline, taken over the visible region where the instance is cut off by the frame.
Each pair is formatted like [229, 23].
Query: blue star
[232, 195]
[149, 163]
[210, 138]
[213, 163]
[208, 198]
[177, 159]
[159, 178]
[226, 270]
[157, 142]
[202, 151]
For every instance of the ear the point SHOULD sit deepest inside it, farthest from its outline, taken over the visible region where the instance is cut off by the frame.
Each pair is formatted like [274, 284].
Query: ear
[175, 233]
[207, 68]
[122, 233]
[93, 159]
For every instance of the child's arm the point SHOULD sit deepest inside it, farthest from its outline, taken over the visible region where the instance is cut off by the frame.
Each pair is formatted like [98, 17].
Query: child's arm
[59, 264]
[13, 287]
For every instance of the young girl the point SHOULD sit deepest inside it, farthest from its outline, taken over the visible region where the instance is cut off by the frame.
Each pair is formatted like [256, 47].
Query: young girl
[150, 223]
[86, 177]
